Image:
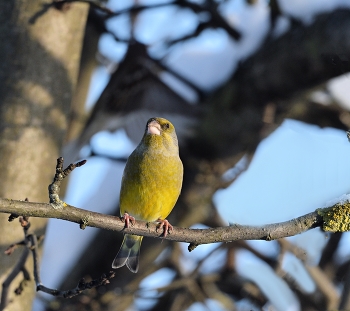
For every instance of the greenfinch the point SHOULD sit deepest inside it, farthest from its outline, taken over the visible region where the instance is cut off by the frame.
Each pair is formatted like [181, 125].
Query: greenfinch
[151, 185]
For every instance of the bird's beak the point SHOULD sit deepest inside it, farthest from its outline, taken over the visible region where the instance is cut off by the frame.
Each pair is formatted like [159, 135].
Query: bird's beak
[154, 128]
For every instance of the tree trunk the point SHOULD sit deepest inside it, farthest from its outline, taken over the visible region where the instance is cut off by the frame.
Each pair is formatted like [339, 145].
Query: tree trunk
[39, 51]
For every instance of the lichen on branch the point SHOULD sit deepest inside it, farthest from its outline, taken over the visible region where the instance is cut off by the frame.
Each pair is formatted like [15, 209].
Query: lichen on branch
[336, 218]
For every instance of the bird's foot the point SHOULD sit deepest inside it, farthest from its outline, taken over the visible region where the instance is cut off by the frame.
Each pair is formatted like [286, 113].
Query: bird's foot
[167, 227]
[128, 220]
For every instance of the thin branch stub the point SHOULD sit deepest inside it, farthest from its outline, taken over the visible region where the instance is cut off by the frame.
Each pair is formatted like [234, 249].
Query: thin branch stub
[55, 186]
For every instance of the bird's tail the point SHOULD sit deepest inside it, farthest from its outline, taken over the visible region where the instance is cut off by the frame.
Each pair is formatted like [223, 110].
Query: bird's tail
[129, 253]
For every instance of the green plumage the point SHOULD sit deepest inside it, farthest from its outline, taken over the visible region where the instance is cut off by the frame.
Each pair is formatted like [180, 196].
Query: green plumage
[151, 184]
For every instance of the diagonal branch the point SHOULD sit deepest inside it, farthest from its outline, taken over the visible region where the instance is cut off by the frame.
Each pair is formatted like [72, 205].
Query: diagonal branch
[82, 285]
[15, 271]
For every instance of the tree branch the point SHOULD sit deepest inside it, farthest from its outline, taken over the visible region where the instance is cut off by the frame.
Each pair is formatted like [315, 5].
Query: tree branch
[332, 219]
[194, 236]
[82, 285]
[303, 57]
[15, 271]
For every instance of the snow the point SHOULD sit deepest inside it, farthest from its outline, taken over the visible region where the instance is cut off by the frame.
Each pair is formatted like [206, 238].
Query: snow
[340, 200]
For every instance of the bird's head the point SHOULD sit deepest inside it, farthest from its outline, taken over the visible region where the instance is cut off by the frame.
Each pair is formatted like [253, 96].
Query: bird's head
[160, 131]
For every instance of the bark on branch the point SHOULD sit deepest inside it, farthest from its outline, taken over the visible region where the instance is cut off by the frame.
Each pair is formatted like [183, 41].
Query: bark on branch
[193, 236]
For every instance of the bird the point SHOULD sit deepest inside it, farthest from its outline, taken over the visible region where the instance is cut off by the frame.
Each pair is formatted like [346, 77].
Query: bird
[151, 185]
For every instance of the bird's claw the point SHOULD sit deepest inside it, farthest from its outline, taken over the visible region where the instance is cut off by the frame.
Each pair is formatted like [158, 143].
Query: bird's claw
[128, 220]
[167, 227]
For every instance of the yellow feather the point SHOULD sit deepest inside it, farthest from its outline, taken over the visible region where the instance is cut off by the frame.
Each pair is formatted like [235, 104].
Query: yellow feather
[152, 181]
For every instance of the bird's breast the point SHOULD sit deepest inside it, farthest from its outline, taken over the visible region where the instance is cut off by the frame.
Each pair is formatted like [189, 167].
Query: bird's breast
[151, 185]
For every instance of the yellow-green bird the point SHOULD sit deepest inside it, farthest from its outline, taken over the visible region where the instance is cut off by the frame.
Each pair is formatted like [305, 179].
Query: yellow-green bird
[151, 185]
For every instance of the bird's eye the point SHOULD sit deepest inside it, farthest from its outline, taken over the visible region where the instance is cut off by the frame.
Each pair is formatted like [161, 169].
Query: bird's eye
[167, 125]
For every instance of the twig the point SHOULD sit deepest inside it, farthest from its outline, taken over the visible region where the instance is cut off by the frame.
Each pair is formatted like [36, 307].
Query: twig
[17, 269]
[12, 247]
[36, 266]
[82, 285]
[55, 186]
[95, 3]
